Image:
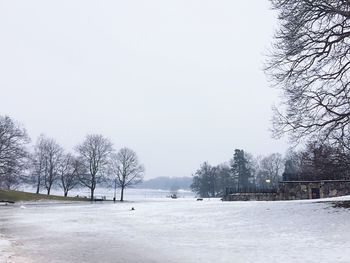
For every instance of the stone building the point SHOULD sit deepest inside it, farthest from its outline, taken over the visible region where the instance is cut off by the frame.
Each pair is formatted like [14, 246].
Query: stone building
[295, 190]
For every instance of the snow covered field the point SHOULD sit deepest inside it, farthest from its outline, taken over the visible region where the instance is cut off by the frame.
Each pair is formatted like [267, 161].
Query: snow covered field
[130, 193]
[182, 230]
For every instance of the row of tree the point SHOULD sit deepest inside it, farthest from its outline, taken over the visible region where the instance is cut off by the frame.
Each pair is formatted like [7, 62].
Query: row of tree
[47, 164]
[318, 161]
[244, 172]
[241, 173]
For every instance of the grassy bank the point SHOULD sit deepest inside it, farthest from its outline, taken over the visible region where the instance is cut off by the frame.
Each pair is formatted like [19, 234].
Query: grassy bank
[15, 196]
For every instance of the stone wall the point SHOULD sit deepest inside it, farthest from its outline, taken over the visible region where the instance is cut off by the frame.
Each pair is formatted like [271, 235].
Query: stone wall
[252, 197]
[295, 190]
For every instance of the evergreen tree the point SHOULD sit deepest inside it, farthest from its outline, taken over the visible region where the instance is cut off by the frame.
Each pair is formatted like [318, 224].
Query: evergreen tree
[240, 169]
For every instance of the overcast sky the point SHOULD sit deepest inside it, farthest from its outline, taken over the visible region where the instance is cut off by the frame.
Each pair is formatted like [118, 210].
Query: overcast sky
[180, 82]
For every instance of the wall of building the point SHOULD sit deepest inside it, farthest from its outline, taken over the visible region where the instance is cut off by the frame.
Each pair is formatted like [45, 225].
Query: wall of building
[297, 190]
[252, 197]
[308, 190]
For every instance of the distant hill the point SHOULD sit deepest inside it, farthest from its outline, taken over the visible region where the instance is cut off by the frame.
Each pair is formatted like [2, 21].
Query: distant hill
[167, 183]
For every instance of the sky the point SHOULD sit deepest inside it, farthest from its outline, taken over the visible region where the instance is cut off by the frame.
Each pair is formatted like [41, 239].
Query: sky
[180, 82]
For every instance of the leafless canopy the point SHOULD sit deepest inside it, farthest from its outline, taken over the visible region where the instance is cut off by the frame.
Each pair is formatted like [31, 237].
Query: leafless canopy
[46, 162]
[272, 166]
[69, 170]
[310, 62]
[13, 154]
[94, 154]
[38, 163]
[126, 169]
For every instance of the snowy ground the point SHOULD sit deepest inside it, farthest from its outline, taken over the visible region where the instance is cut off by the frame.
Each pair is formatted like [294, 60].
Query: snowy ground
[5, 248]
[130, 193]
[182, 230]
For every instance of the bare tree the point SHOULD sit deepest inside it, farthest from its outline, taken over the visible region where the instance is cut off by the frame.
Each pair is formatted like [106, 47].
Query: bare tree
[272, 167]
[38, 162]
[224, 179]
[126, 169]
[11, 180]
[94, 154]
[310, 62]
[52, 159]
[13, 154]
[45, 162]
[69, 169]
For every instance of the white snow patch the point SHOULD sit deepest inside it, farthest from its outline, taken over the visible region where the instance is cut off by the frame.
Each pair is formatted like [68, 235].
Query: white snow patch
[5, 249]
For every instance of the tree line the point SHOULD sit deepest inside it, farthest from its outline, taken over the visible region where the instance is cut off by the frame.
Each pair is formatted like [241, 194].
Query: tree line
[46, 164]
[244, 172]
[241, 172]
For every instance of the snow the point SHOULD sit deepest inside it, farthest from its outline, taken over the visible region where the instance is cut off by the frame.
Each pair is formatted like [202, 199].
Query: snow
[5, 246]
[130, 193]
[181, 230]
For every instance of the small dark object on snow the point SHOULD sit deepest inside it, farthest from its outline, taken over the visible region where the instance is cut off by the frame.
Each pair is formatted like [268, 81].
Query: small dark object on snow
[132, 208]
[199, 199]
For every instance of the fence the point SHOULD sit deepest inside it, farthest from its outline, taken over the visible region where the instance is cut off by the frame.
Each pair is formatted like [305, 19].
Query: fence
[250, 189]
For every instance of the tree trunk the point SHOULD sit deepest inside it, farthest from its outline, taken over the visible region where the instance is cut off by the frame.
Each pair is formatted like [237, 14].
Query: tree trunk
[92, 193]
[122, 194]
[115, 190]
[38, 186]
[65, 193]
[48, 190]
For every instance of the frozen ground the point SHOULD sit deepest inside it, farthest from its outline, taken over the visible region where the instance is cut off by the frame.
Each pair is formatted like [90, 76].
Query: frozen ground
[5, 248]
[182, 230]
[130, 193]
